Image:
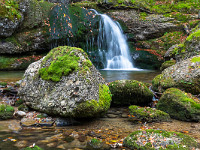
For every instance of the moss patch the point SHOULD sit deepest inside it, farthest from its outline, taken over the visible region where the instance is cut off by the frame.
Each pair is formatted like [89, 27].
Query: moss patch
[180, 105]
[94, 108]
[9, 9]
[194, 34]
[195, 59]
[6, 111]
[62, 61]
[147, 114]
[167, 64]
[159, 139]
[126, 92]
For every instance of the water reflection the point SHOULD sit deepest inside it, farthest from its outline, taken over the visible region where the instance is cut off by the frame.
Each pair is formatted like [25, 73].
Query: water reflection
[140, 75]
[11, 76]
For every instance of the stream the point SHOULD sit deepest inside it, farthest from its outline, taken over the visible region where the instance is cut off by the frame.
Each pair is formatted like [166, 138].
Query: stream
[111, 131]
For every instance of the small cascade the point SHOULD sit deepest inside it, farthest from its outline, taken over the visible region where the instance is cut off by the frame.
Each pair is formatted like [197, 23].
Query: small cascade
[112, 45]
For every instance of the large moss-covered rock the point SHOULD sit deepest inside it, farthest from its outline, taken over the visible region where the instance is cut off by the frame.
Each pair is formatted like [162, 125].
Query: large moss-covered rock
[147, 114]
[130, 92]
[65, 83]
[159, 139]
[189, 48]
[6, 111]
[180, 105]
[184, 75]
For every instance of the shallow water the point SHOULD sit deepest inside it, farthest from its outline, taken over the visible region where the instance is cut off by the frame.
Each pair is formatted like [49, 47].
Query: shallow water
[109, 75]
[140, 75]
[11, 76]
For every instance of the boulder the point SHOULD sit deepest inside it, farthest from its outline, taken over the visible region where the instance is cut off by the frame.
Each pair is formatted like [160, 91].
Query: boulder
[159, 139]
[180, 105]
[130, 92]
[184, 75]
[65, 83]
[147, 114]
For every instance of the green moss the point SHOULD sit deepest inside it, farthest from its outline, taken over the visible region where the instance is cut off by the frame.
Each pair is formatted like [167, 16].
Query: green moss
[33, 148]
[3, 83]
[167, 64]
[185, 143]
[19, 102]
[131, 91]
[93, 108]
[63, 62]
[9, 9]
[179, 105]
[6, 111]
[23, 107]
[13, 40]
[195, 59]
[147, 114]
[194, 34]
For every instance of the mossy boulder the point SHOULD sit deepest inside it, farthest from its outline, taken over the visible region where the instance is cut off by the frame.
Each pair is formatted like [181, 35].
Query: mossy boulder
[147, 114]
[184, 75]
[6, 111]
[159, 139]
[65, 83]
[180, 105]
[130, 92]
[167, 64]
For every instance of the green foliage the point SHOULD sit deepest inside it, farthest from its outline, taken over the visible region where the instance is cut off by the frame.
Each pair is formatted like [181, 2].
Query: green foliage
[94, 108]
[9, 9]
[147, 114]
[131, 91]
[179, 105]
[185, 143]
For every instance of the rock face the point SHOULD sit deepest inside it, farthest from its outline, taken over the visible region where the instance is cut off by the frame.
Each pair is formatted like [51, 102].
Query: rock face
[126, 92]
[190, 47]
[8, 27]
[65, 83]
[184, 75]
[154, 26]
[180, 105]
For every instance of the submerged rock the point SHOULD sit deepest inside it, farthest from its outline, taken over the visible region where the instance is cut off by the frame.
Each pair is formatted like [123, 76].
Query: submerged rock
[180, 105]
[126, 92]
[159, 139]
[65, 83]
[184, 75]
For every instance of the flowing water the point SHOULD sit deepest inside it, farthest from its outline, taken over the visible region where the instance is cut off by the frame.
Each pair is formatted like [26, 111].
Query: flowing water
[112, 45]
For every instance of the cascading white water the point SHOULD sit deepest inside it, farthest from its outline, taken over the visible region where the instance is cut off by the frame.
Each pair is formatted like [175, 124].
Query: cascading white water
[112, 45]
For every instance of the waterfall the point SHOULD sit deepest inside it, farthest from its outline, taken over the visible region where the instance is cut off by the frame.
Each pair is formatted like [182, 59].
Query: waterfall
[112, 45]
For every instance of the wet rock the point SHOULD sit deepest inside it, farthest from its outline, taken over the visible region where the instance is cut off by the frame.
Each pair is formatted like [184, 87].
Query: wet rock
[147, 114]
[20, 114]
[126, 92]
[112, 116]
[21, 144]
[180, 105]
[78, 93]
[14, 126]
[82, 138]
[156, 139]
[60, 122]
[183, 75]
